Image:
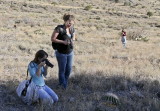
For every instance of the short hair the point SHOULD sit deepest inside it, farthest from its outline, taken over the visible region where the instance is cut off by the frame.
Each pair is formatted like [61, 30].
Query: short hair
[68, 17]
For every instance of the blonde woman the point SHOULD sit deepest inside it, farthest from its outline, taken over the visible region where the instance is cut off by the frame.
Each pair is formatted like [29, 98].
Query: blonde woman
[63, 36]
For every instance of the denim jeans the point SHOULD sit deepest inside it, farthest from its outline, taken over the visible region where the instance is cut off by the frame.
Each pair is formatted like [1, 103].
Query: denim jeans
[47, 95]
[124, 41]
[65, 62]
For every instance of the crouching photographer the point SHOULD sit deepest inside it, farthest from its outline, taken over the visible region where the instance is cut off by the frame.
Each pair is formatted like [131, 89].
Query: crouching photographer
[36, 87]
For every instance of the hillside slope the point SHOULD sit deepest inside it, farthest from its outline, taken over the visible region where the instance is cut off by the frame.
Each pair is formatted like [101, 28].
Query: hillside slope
[101, 64]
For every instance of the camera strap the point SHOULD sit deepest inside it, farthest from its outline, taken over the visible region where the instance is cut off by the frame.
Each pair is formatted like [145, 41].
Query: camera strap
[27, 77]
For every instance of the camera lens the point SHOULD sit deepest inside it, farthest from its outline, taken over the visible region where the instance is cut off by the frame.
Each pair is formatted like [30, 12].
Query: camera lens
[48, 63]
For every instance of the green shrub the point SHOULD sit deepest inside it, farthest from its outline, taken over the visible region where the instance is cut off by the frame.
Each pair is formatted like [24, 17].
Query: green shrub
[127, 4]
[97, 7]
[149, 14]
[89, 7]
[143, 7]
[55, 20]
[116, 1]
[54, 3]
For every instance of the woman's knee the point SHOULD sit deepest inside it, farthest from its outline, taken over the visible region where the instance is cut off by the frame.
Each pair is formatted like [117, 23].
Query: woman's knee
[47, 100]
[56, 98]
[51, 94]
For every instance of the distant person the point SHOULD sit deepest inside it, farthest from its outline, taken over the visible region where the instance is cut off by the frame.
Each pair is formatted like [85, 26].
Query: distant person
[123, 38]
[63, 36]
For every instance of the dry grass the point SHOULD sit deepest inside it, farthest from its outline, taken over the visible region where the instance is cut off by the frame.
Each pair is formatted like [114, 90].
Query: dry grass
[101, 64]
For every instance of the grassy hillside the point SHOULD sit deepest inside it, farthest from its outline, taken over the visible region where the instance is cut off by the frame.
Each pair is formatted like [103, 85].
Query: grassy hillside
[101, 64]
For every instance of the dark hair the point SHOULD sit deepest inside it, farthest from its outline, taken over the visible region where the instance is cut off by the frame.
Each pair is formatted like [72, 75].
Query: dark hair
[39, 54]
[68, 17]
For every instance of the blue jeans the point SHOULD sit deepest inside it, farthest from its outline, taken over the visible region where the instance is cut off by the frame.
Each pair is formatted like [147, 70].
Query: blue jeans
[46, 94]
[65, 62]
[124, 41]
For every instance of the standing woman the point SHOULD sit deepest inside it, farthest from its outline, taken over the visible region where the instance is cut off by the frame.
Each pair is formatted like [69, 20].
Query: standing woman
[63, 37]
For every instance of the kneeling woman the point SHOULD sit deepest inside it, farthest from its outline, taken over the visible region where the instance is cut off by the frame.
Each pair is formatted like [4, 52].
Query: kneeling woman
[38, 70]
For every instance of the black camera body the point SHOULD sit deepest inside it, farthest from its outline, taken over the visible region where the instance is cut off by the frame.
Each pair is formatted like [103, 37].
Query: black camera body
[48, 63]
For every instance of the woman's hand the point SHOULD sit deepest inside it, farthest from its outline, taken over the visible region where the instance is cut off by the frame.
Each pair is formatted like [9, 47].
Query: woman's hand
[66, 42]
[55, 40]
[38, 73]
[41, 64]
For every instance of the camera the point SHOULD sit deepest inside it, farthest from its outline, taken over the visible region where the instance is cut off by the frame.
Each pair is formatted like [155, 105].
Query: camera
[48, 63]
